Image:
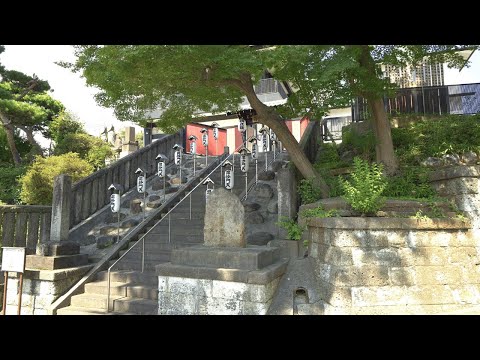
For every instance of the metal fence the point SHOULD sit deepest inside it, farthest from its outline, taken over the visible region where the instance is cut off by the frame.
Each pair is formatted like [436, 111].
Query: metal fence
[440, 100]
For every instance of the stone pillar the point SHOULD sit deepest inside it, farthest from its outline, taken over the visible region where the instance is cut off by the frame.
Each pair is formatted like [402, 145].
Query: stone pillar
[129, 145]
[287, 196]
[61, 208]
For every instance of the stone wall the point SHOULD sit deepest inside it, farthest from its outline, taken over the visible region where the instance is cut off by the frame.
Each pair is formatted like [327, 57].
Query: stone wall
[461, 184]
[395, 266]
[40, 289]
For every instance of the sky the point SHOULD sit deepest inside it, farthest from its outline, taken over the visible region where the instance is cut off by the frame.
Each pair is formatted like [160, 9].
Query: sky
[78, 98]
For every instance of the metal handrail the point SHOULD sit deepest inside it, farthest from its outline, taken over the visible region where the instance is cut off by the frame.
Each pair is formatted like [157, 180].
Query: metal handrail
[256, 178]
[142, 238]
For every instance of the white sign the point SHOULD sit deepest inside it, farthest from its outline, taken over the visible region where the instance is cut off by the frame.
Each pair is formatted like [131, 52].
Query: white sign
[205, 139]
[265, 142]
[178, 156]
[161, 169]
[242, 125]
[229, 179]
[193, 148]
[115, 202]
[141, 184]
[244, 163]
[13, 259]
[215, 133]
[254, 151]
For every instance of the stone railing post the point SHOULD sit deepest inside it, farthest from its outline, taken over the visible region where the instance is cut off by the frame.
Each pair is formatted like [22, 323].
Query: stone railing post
[61, 208]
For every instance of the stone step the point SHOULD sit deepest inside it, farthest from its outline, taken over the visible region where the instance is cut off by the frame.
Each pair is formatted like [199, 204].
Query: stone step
[137, 265]
[193, 222]
[122, 289]
[117, 304]
[178, 229]
[73, 310]
[134, 277]
[177, 239]
[184, 215]
[159, 247]
[161, 255]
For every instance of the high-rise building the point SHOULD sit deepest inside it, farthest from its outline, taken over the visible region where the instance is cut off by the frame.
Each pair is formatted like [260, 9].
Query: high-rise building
[425, 74]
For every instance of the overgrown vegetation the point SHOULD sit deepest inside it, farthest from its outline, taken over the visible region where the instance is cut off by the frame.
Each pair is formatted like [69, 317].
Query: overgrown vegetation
[9, 186]
[437, 136]
[37, 183]
[294, 230]
[319, 212]
[364, 189]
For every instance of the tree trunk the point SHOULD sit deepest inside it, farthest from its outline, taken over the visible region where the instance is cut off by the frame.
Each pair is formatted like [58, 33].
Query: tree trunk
[385, 153]
[269, 117]
[9, 130]
[35, 147]
[381, 126]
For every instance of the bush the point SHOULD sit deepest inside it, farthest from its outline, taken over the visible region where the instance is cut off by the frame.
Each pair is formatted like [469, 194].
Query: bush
[367, 183]
[294, 231]
[309, 193]
[411, 183]
[37, 183]
[9, 186]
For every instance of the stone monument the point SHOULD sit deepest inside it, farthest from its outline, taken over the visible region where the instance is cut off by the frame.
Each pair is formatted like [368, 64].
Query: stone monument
[223, 276]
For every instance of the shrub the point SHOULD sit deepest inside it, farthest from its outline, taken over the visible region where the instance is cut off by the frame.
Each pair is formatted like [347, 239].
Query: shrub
[37, 183]
[319, 212]
[294, 231]
[364, 189]
[9, 187]
[411, 183]
[309, 193]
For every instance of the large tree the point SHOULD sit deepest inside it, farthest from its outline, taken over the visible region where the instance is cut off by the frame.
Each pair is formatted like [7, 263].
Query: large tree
[184, 79]
[25, 105]
[327, 76]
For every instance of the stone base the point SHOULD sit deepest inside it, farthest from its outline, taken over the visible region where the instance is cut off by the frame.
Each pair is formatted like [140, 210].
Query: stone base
[212, 281]
[40, 289]
[57, 248]
[55, 262]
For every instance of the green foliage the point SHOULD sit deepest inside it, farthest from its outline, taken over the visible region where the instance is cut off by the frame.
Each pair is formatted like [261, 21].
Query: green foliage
[37, 183]
[23, 147]
[411, 182]
[63, 124]
[364, 189]
[90, 148]
[294, 230]
[362, 145]
[9, 186]
[309, 193]
[450, 134]
[419, 215]
[319, 212]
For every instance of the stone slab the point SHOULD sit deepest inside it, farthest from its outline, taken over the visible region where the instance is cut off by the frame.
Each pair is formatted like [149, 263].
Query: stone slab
[55, 262]
[57, 248]
[250, 258]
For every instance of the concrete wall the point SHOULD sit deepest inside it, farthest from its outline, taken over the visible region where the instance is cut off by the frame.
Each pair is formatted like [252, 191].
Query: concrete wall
[395, 266]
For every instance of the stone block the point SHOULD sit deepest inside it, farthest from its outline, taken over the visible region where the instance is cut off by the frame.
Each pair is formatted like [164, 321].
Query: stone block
[254, 308]
[182, 286]
[219, 306]
[463, 255]
[340, 256]
[229, 290]
[259, 238]
[425, 256]
[375, 256]
[471, 273]
[402, 276]
[364, 275]
[467, 294]
[429, 295]
[379, 295]
[55, 262]
[224, 220]
[438, 275]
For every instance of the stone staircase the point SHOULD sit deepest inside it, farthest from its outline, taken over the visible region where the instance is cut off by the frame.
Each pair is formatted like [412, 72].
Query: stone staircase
[133, 291]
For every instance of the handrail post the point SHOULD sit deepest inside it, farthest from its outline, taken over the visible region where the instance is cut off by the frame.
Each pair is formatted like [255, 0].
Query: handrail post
[108, 292]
